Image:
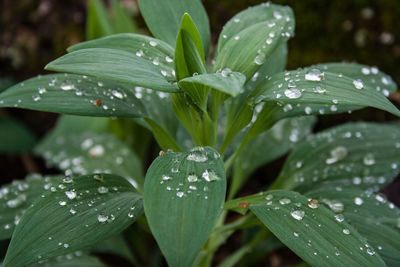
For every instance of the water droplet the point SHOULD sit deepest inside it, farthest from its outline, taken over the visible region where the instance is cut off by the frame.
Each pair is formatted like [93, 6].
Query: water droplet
[210, 176]
[153, 43]
[269, 197]
[358, 84]
[285, 201]
[358, 201]
[292, 93]
[369, 159]
[42, 90]
[117, 94]
[139, 53]
[339, 217]
[36, 98]
[192, 178]
[96, 151]
[166, 177]
[102, 190]
[296, 234]
[365, 71]
[197, 157]
[337, 154]
[319, 90]
[236, 20]
[102, 218]
[72, 211]
[314, 75]
[370, 251]
[179, 194]
[237, 37]
[16, 202]
[67, 87]
[357, 180]
[71, 194]
[381, 198]
[62, 203]
[385, 81]
[66, 245]
[297, 214]
[168, 59]
[346, 231]
[313, 203]
[277, 15]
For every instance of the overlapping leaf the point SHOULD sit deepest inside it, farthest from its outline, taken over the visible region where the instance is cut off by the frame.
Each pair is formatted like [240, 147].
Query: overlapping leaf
[362, 155]
[114, 65]
[16, 197]
[269, 146]
[183, 197]
[156, 51]
[84, 153]
[251, 36]
[313, 232]
[372, 215]
[81, 212]
[73, 94]
[163, 18]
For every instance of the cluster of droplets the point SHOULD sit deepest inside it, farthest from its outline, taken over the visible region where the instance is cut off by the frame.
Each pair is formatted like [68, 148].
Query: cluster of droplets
[182, 184]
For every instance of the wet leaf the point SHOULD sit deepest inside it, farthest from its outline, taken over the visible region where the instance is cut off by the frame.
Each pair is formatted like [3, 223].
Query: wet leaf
[80, 213]
[183, 197]
[15, 136]
[313, 232]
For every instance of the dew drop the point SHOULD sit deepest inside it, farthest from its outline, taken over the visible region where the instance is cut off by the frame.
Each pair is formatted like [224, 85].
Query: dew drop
[358, 84]
[314, 75]
[102, 190]
[102, 218]
[71, 194]
[346, 231]
[284, 201]
[358, 201]
[339, 217]
[179, 194]
[192, 178]
[153, 43]
[313, 203]
[297, 214]
[292, 93]
[369, 159]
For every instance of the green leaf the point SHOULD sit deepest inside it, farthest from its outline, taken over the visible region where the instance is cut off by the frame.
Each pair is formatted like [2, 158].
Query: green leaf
[311, 91]
[121, 21]
[268, 146]
[81, 212]
[230, 83]
[368, 75]
[16, 197]
[312, 231]
[251, 36]
[183, 197]
[362, 155]
[98, 24]
[372, 215]
[73, 94]
[15, 136]
[163, 18]
[238, 112]
[163, 138]
[156, 51]
[84, 153]
[78, 258]
[114, 65]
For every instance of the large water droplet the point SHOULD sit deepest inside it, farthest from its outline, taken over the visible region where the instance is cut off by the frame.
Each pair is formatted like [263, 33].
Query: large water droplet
[358, 201]
[358, 84]
[102, 218]
[297, 214]
[337, 154]
[369, 159]
[292, 93]
[71, 194]
[285, 201]
[314, 75]
[102, 190]
[192, 178]
[346, 231]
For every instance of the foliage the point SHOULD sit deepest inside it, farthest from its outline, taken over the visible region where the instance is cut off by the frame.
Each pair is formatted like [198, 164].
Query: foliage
[218, 119]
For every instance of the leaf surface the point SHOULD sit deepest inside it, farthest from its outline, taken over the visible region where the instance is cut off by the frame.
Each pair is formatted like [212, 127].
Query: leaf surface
[17, 196]
[114, 65]
[81, 212]
[360, 155]
[372, 215]
[73, 94]
[163, 18]
[15, 136]
[183, 197]
[313, 232]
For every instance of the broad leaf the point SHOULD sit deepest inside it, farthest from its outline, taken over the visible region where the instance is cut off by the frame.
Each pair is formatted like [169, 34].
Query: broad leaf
[73, 94]
[16, 197]
[114, 65]
[15, 136]
[121, 20]
[368, 75]
[230, 83]
[362, 155]
[183, 197]
[311, 91]
[81, 212]
[163, 18]
[156, 51]
[268, 146]
[372, 215]
[84, 153]
[313, 232]
[98, 24]
[77, 258]
[251, 36]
